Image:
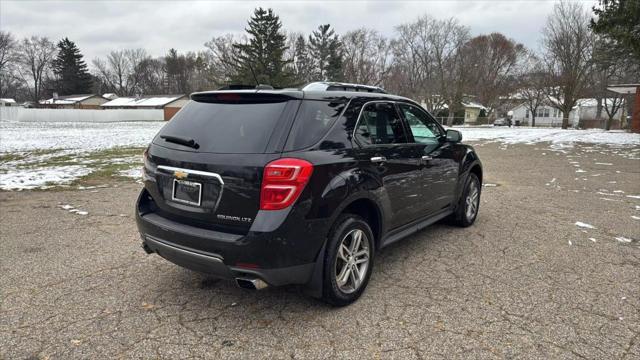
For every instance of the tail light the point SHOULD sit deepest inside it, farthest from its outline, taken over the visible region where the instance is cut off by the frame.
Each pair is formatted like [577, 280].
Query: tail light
[283, 182]
[145, 159]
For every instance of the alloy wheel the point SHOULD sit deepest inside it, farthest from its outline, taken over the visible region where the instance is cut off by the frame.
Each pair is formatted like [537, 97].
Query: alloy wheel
[352, 261]
[472, 201]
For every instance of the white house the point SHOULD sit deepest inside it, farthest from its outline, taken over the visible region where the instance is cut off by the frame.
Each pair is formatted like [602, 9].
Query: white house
[583, 115]
[586, 111]
[472, 111]
[545, 116]
[7, 102]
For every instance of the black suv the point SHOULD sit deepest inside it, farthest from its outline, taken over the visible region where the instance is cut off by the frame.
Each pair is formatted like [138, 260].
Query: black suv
[300, 186]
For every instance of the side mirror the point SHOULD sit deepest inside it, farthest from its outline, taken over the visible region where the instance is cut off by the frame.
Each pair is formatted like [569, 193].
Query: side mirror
[454, 136]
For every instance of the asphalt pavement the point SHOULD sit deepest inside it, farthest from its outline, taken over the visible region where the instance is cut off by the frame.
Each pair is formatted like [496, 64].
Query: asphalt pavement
[524, 282]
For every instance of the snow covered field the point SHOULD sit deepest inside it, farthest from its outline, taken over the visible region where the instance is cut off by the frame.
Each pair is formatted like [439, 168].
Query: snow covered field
[81, 136]
[44, 154]
[556, 136]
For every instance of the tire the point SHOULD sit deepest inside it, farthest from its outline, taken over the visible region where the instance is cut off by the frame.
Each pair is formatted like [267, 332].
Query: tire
[462, 216]
[347, 229]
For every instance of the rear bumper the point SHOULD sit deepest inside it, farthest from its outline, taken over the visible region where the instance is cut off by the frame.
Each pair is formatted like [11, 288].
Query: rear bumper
[214, 265]
[271, 256]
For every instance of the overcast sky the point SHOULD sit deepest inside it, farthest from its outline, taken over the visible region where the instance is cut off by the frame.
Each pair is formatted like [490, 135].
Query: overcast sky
[98, 27]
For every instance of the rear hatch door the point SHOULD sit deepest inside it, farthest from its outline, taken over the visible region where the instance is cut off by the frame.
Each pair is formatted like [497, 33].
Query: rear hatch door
[209, 158]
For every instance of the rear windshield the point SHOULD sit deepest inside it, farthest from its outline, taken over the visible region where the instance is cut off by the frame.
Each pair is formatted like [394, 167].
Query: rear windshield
[313, 121]
[223, 127]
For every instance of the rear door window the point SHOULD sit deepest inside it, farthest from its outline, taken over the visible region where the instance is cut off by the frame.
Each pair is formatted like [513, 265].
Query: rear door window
[380, 124]
[231, 128]
[313, 121]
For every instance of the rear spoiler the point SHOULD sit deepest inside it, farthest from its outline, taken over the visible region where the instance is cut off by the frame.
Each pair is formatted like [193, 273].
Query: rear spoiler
[245, 96]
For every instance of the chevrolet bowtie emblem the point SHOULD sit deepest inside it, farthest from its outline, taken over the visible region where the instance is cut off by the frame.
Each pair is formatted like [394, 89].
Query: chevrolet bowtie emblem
[180, 174]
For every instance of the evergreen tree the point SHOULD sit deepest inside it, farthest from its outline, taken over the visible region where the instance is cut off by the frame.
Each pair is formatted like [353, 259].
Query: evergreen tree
[326, 51]
[71, 71]
[302, 62]
[263, 55]
[619, 22]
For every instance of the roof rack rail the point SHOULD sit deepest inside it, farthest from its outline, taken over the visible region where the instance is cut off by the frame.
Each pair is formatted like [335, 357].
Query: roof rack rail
[246, 87]
[338, 86]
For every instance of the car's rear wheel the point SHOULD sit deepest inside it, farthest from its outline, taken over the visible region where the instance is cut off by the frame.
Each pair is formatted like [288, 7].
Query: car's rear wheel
[348, 261]
[469, 205]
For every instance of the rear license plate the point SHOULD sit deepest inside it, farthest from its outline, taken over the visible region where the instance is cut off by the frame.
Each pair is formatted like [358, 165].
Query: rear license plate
[187, 192]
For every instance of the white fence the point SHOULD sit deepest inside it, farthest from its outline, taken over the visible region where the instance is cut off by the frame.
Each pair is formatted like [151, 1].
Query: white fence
[16, 113]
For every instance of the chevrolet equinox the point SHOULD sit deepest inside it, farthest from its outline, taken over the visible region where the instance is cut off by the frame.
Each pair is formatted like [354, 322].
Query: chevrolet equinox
[300, 186]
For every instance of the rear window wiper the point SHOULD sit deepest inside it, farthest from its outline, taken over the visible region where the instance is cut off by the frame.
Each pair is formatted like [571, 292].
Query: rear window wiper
[181, 141]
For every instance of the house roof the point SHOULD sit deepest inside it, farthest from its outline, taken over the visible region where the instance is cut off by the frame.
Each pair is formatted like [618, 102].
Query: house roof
[110, 96]
[67, 99]
[145, 101]
[7, 100]
[594, 102]
[471, 104]
[624, 88]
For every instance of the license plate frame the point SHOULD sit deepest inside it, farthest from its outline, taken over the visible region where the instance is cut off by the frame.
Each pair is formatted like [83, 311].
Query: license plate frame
[197, 185]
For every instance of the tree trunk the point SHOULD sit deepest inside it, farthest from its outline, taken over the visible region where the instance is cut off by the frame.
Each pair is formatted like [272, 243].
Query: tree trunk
[450, 118]
[608, 123]
[599, 110]
[565, 119]
[533, 120]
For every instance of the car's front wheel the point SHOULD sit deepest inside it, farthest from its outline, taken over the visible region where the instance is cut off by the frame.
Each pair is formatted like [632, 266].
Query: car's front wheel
[348, 260]
[469, 205]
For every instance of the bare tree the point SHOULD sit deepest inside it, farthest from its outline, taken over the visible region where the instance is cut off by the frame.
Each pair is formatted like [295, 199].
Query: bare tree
[532, 85]
[152, 76]
[493, 60]
[609, 69]
[367, 57]
[34, 61]
[568, 44]
[120, 72]
[7, 50]
[223, 57]
[8, 60]
[427, 52]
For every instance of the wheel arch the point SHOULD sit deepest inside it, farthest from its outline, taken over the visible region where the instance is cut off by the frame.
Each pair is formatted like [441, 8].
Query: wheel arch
[368, 210]
[476, 169]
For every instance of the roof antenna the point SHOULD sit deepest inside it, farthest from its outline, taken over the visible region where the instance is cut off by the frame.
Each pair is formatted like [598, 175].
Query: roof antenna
[258, 85]
[254, 74]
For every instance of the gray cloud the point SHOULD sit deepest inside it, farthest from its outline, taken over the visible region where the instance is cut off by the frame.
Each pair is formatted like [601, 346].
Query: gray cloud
[101, 26]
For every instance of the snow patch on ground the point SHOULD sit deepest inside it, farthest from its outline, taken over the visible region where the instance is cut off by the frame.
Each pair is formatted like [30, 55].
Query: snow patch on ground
[584, 225]
[42, 177]
[73, 210]
[135, 173]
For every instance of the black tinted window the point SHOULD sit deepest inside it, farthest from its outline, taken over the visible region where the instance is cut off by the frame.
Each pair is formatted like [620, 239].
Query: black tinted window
[423, 128]
[225, 128]
[379, 123]
[312, 122]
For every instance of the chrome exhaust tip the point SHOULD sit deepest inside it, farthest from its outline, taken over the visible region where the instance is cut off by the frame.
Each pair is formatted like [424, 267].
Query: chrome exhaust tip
[251, 284]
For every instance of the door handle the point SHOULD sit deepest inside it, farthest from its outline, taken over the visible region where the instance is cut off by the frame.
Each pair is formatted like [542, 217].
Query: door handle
[427, 158]
[378, 159]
